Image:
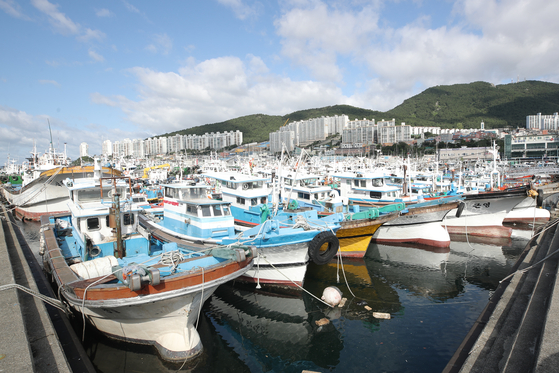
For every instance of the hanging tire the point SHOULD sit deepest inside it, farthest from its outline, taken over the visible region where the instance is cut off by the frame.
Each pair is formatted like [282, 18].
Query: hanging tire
[461, 206]
[319, 256]
[539, 198]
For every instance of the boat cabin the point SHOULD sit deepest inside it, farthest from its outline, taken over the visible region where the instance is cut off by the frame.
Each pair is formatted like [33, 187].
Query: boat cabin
[188, 210]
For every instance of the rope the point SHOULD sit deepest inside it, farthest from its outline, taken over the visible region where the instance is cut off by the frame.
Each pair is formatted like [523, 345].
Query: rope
[296, 284]
[53, 302]
[341, 264]
[535, 264]
[171, 258]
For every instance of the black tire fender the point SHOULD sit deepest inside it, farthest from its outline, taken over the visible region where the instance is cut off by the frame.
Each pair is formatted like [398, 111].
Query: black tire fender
[460, 208]
[539, 198]
[323, 256]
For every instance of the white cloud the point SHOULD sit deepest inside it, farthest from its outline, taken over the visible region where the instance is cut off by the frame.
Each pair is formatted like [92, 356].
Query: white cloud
[314, 35]
[163, 44]
[241, 9]
[58, 20]
[96, 56]
[90, 34]
[20, 131]
[482, 40]
[53, 82]
[104, 13]
[13, 9]
[130, 7]
[215, 90]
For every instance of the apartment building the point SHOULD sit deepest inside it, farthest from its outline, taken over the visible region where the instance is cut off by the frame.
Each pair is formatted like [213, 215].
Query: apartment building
[543, 122]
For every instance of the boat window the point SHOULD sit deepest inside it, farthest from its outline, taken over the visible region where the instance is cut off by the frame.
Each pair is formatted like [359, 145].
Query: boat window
[128, 219]
[254, 201]
[226, 211]
[377, 182]
[92, 224]
[363, 183]
[240, 201]
[304, 195]
[88, 195]
[377, 195]
[171, 192]
[217, 210]
[191, 210]
[317, 196]
[107, 224]
[138, 199]
[356, 183]
[206, 211]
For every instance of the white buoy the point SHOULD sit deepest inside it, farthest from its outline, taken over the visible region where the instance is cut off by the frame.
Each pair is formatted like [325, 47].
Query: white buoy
[332, 295]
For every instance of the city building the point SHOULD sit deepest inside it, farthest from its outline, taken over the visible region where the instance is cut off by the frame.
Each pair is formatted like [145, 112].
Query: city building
[465, 154]
[542, 122]
[531, 146]
[84, 150]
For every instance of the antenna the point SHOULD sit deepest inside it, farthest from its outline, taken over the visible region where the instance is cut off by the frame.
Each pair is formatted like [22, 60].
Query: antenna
[50, 131]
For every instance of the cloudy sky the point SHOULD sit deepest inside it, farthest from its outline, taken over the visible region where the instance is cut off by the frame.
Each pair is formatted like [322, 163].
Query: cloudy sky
[121, 69]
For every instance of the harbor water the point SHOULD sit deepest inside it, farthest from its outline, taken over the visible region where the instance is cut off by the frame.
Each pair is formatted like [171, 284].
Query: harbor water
[433, 296]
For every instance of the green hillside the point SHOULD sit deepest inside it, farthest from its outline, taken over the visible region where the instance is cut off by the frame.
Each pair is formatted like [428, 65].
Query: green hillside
[467, 105]
[452, 106]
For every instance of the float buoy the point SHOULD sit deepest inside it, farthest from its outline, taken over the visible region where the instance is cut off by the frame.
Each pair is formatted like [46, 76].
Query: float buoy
[332, 295]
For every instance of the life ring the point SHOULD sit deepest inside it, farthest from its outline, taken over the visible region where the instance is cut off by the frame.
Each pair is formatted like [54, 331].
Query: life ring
[539, 198]
[319, 256]
[245, 186]
[461, 206]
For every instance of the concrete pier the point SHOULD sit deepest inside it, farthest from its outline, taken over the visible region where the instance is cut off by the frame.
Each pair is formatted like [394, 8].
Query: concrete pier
[518, 331]
[29, 341]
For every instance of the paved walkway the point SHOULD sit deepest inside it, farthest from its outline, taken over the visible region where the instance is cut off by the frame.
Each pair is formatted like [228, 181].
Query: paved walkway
[519, 329]
[28, 341]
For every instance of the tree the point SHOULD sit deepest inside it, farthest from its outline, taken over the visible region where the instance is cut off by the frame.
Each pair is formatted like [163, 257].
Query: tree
[82, 160]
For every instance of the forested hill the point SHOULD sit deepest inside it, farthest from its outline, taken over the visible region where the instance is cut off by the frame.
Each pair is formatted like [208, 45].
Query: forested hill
[451, 106]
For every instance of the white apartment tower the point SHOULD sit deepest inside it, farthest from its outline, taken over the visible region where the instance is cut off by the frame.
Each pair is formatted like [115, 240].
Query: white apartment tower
[84, 150]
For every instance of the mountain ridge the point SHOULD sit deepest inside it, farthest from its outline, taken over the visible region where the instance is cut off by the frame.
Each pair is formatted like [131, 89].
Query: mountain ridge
[446, 106]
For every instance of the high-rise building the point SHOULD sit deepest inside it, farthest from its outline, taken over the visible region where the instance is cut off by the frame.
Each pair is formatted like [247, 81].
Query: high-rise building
[84, 150]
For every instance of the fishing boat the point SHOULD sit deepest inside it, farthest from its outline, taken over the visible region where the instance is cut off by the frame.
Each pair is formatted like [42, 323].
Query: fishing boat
[46, 194]
[372, 189]
[420, 223]
[248, 196]
[358, 228]
[285, 242]
[124, 282]
[483, 213]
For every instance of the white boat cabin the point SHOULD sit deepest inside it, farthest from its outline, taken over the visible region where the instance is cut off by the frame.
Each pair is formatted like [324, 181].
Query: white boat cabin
[92, 207]
[241, 190]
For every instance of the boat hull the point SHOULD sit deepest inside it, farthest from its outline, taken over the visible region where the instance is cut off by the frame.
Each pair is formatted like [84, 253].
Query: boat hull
[283, 266]
[483, 216]
[167, 324]
[47, 194]
[421, 225]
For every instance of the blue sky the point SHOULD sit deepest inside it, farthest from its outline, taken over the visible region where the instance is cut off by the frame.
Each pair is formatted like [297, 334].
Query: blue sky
[121, 69]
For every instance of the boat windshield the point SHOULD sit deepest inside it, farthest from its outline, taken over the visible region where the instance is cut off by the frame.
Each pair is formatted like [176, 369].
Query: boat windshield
[94, 194]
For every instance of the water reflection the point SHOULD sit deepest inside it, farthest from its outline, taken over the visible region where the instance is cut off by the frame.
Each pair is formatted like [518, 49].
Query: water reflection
[433, 296]
[275, 330]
